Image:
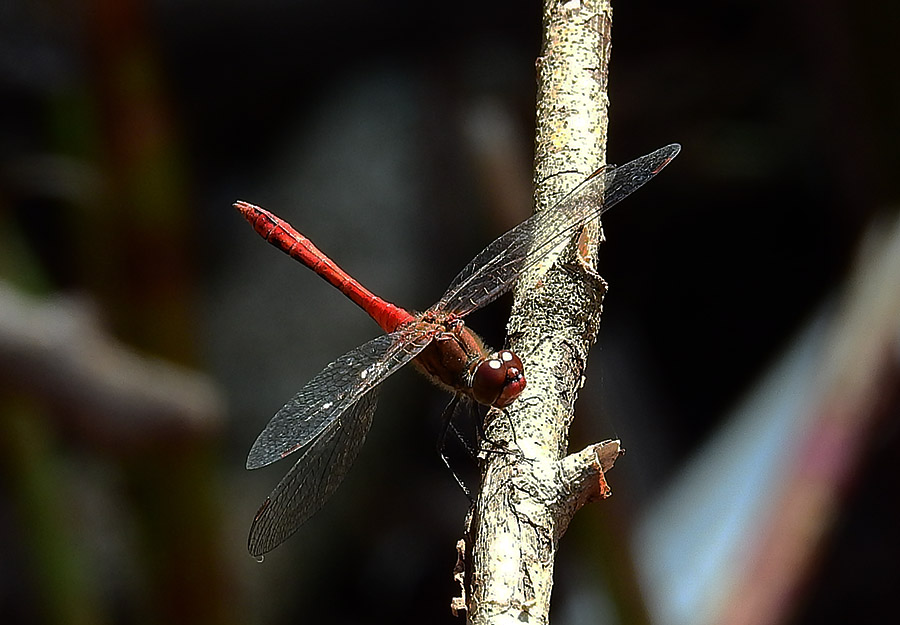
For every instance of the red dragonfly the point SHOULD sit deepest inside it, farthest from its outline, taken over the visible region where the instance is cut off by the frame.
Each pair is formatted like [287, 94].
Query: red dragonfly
[330, 416]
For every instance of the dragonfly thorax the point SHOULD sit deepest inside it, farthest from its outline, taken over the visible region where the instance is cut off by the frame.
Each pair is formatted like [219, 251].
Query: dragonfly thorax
[458, 360]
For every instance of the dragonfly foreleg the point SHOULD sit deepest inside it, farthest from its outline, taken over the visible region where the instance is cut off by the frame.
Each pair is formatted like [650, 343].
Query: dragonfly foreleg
[457, 404]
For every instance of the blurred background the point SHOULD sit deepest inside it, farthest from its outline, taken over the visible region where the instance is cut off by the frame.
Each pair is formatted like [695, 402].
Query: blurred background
[749, 356]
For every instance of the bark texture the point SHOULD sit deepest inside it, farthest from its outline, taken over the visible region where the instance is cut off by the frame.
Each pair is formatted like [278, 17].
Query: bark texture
[527, 499]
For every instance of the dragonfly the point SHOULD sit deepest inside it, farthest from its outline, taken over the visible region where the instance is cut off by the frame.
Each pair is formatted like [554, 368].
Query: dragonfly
[328, 419]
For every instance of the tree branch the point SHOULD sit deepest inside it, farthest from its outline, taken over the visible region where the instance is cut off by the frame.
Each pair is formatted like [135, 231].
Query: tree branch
[527, 500]
[105, 392]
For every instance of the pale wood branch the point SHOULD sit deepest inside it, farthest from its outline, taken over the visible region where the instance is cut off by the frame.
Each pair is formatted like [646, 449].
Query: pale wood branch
[528, 496]
[56, 349]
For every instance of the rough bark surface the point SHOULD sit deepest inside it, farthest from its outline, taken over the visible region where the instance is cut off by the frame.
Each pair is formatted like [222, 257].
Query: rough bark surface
[528, 496]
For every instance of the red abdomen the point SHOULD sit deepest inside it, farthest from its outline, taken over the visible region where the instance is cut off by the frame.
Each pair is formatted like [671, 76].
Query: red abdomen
[283, 236]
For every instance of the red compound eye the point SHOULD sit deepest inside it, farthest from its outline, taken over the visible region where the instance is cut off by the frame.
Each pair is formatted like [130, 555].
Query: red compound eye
[498, 380]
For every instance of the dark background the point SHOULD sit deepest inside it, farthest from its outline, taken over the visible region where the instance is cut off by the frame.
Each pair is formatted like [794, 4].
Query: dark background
[383, 131]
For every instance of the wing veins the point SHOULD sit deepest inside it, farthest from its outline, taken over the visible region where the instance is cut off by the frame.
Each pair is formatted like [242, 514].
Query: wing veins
[494, 269]
[313, 479]
[310, 411]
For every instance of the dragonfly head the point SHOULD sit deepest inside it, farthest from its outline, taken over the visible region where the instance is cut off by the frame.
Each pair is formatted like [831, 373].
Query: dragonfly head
[498, 380]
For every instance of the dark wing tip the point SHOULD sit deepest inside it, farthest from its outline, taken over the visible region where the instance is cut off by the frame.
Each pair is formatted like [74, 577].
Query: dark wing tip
[256, 545]
[663, 156]
[258, 457]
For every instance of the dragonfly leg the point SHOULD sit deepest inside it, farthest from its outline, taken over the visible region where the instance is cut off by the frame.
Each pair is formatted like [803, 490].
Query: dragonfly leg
[482, 435]
[512, 429]
[500, 447]
[446, 424]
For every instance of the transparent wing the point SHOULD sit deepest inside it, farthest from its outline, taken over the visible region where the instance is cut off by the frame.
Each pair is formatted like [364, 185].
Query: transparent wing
[337, 387]
[313, 478]
[493, 271]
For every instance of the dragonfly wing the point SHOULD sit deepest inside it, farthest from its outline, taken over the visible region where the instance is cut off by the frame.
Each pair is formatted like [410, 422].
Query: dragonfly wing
[493, 271]
[313, 478]
[334, 390]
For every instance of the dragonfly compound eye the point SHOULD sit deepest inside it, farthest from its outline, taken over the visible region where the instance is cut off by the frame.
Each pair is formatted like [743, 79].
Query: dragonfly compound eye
[498, 380]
